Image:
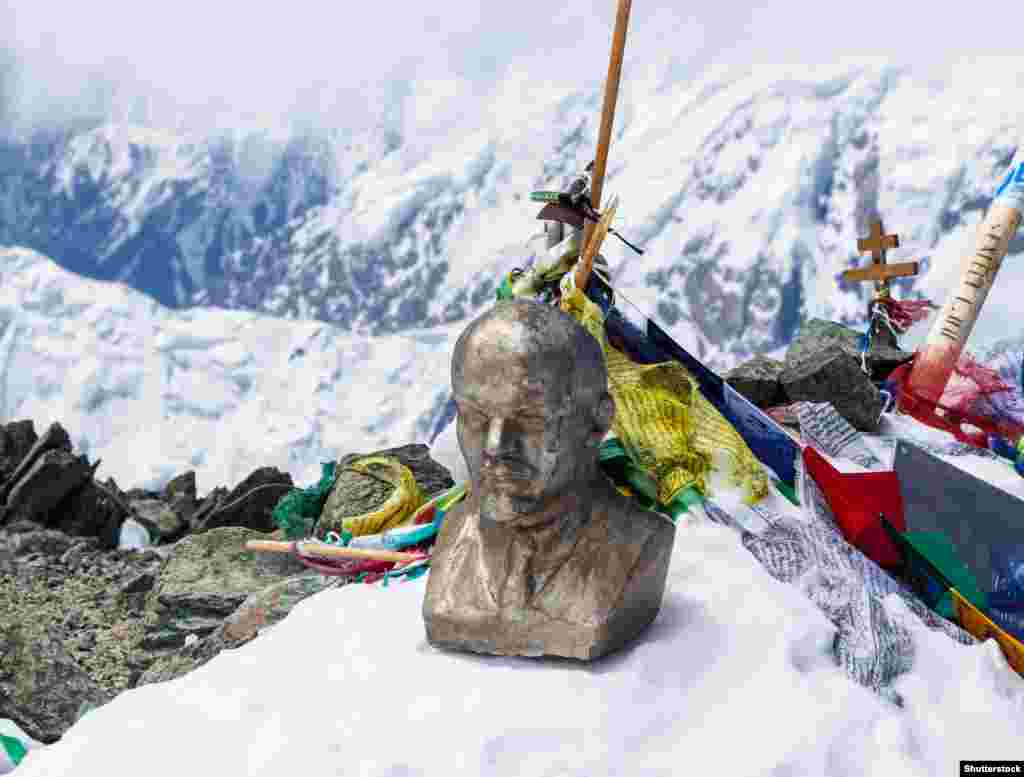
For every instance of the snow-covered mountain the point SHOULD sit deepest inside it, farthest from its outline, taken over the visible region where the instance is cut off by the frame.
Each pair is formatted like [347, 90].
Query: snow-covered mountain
[154, 392]
[748, 188]
[352, 261]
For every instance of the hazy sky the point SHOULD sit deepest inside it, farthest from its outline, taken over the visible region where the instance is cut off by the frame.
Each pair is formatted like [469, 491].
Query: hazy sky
[197, 62]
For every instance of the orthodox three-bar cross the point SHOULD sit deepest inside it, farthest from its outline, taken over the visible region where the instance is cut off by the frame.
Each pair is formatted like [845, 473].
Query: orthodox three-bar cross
[881, 273]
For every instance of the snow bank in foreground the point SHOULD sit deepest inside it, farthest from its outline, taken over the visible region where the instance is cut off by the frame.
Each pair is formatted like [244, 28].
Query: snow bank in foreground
[734, 678]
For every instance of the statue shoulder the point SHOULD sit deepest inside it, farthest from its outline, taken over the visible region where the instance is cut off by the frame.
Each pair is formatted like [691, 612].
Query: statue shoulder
[626, 518]
[453, 525]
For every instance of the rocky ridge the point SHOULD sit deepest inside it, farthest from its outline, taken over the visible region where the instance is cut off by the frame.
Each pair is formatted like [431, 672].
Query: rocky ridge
[82, 619]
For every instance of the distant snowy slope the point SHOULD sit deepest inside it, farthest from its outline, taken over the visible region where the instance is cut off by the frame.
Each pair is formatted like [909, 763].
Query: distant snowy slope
[154, 392]
[747, 187]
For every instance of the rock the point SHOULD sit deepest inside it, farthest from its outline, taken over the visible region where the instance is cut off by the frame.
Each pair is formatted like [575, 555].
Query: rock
[46, 542]
[141, 494]
[432, 477]
[269, 606]
[93, 511]
[41, 686]
[831, 374]
[255, 615]
[52, 476]
[110, 485]
[208, 505]
[78, 552]
[205, 579]
[250, 504]
[8, 561]
[140, 583]
[356, 493]
[55, 438]
[16, 440]
[189, 615]
[163, 523]
[758, 381]
[180, 495]
[817, 334]
[87, 641]
[60, 596]
[20, 527]
[108, 619]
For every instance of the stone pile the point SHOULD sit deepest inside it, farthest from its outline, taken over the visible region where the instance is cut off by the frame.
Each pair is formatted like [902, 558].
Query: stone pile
[81, 620]
[823, 364]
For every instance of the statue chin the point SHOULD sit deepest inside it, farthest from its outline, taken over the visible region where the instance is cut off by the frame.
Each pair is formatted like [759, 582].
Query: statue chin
[507, 508]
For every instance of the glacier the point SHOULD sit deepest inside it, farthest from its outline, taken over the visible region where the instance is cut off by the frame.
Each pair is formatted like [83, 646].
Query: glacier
[154, 392]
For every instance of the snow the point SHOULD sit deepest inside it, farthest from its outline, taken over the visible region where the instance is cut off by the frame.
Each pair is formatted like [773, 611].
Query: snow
[154, 392]
[767, 171]
[735, 677]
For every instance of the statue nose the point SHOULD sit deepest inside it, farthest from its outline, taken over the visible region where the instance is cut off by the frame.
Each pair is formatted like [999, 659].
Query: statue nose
[500, 436]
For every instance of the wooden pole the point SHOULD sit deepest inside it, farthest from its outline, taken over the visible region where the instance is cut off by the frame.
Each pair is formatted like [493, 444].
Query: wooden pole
[586, 263]
[938, 357]
[330, 551]
[611, 95]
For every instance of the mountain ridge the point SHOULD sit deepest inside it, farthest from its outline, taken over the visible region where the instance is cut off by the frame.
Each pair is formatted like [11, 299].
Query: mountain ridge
[747, 187]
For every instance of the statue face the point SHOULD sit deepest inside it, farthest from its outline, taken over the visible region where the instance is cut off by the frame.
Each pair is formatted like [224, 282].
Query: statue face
[530, 387]
[524, 441]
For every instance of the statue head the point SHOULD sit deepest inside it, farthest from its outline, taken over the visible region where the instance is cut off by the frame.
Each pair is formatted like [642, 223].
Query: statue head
[533, 406]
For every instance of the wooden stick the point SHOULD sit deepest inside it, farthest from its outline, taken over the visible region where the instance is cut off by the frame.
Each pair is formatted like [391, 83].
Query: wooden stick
[611, 95]
[330, 551]
[586, 262]
[937, 358]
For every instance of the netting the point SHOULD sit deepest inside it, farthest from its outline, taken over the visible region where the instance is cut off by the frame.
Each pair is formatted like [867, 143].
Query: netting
[297, 511]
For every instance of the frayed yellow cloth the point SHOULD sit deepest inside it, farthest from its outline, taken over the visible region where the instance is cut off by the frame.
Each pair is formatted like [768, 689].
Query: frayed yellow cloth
[663, 420]
[397, 510]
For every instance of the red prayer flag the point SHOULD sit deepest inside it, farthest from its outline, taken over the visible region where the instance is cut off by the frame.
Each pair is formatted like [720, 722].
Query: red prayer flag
[856, 500]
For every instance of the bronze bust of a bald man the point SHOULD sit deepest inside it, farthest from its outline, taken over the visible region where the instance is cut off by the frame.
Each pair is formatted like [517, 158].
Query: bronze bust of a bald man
[544, 556]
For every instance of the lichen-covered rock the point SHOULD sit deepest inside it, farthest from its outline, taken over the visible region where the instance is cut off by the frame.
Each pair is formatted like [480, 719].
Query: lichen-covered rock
[270, 606]
[354, 493]
[42, 688]
[431, 477]
[186, 615]
[206, 577]
[180, 496]
[124, 617]
[758, 381]
[256, 614]
[358, 493]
